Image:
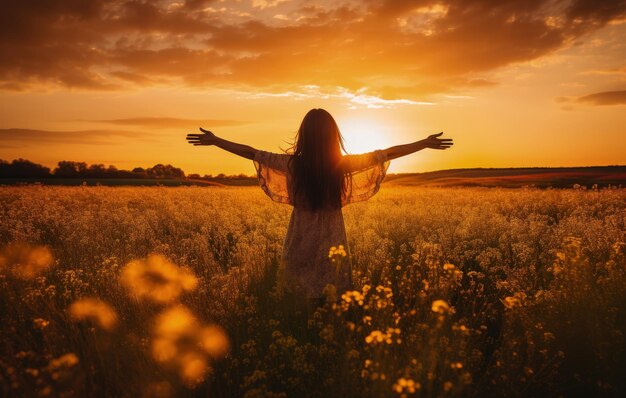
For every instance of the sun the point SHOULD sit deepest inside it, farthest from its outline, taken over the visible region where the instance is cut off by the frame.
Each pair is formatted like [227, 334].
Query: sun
[363, 135]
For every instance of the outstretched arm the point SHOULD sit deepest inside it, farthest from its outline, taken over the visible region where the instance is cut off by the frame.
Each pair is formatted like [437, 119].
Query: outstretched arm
[208, 138]
[433, 142]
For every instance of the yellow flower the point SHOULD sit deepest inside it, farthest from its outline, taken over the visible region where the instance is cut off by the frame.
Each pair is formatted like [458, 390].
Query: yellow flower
[337, 252]
[214, 341]
[157, 279]
[41, 323]
[448, 267]
[25, 261]
[514, 301]
[353, 296]
[94, 310]
[456, 365]
[440, 307]
[64, 361]
[182, 342]
[378, 336]
[406, 386]
[193, 368]
[461, 328]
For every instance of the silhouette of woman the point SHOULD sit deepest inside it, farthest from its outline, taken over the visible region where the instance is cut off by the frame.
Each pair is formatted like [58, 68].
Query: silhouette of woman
[317, 180]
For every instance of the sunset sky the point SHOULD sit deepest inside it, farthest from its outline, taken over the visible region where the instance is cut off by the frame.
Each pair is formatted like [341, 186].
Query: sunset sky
[514, 83]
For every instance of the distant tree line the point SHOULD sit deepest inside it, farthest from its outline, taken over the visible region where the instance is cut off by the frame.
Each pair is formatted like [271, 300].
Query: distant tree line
[220, 176]
[22, 168]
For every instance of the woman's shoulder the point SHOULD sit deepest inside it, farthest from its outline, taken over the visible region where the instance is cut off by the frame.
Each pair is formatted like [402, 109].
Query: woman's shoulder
[356, 162]
[278, 161]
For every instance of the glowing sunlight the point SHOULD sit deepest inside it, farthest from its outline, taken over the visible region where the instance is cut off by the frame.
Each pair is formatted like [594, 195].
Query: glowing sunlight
[364, 134]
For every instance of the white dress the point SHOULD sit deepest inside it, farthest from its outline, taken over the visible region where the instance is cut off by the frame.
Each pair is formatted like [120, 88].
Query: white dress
[305, 265]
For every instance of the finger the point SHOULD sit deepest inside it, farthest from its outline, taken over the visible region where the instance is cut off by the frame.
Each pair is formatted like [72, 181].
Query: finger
[205, 131]
[437, 135]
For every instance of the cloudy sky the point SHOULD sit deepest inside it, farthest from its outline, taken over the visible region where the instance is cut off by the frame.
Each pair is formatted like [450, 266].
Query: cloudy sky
[514, 83]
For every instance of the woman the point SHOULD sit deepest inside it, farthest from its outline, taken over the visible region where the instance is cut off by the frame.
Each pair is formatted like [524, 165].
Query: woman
[317, 180]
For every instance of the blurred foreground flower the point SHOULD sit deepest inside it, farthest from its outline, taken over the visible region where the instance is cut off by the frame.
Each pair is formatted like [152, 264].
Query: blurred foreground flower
[157, 279]
[95, 311]
[181, 342]
[25, 261]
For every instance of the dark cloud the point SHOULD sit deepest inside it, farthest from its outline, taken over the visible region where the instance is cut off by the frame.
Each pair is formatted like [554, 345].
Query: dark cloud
[24, 137]
[395, 47]
[168, 122]
[605, 98]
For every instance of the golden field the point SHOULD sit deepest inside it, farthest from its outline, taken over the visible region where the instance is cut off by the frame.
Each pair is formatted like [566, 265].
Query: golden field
[165, 292]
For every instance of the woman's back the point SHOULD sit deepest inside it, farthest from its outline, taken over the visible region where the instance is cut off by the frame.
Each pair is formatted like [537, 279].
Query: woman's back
[306, 266]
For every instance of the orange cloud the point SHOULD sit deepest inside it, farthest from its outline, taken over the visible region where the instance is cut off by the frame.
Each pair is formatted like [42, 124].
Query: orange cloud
[396, 48]
[170, 122]
[605, 98]
[91, 137]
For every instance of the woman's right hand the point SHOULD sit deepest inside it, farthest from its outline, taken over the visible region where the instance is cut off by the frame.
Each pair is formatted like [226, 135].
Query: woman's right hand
[434, 142]
[206, 138]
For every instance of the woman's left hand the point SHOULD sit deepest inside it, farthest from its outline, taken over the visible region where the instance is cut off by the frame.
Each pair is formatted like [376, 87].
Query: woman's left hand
[206, 138]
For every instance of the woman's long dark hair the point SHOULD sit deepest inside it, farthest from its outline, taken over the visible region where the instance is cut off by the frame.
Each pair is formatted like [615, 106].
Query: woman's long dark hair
[317, 172]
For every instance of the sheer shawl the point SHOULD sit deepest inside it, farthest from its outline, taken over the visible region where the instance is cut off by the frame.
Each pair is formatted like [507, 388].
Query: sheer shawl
[364, 174]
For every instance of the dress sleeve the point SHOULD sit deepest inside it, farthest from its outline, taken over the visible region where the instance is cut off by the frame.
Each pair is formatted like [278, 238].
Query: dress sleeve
[273, 172]
[364, 174]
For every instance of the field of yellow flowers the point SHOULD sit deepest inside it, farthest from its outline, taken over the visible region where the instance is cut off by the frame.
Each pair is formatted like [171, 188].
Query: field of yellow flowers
[167, 292]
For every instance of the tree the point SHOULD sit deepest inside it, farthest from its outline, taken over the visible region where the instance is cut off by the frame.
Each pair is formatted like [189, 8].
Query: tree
[22, 168]
[165, 171]
[96, 171]
[139, 172]
[69, 169]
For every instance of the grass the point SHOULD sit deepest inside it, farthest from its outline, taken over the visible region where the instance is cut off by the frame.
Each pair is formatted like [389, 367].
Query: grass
[155, 291]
